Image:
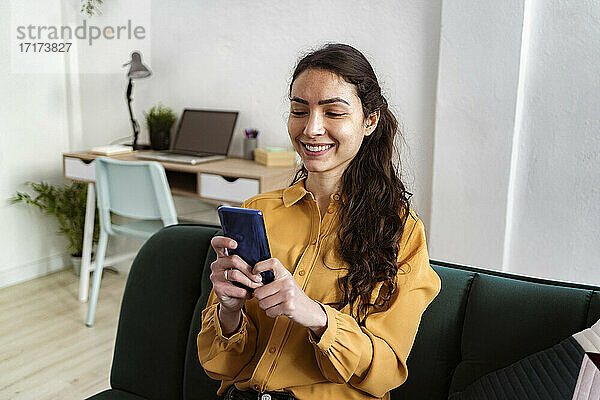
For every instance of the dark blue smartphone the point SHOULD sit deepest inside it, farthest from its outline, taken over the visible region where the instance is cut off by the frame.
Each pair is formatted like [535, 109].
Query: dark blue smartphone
[247, 227]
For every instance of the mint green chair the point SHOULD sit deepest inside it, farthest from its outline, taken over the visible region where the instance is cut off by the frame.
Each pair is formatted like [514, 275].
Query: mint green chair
[136, 190]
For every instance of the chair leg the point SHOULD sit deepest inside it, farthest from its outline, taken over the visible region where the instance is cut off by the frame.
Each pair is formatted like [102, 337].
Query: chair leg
[93, 300]
[88, 233]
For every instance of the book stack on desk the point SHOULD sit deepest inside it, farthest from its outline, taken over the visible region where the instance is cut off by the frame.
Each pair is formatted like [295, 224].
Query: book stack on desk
[275, 157]
[111, 150]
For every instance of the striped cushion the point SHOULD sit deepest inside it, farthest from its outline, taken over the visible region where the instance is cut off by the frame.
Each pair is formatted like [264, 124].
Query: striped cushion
[551, 374]
[588, 383]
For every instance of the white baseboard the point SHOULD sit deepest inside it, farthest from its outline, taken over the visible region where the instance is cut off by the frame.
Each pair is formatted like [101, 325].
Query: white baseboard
[24, 272]
[44, 266]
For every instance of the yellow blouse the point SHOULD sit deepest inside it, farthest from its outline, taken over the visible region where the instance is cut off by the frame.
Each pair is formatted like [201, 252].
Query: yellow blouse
[349, 361]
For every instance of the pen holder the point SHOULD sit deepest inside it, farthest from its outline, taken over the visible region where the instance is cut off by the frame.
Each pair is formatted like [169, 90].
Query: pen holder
[249, 147]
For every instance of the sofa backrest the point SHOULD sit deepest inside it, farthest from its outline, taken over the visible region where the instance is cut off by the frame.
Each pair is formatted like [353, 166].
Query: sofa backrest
[159, 299]
[481, 321]
[197, 385]
[436, 351]
[484, 320]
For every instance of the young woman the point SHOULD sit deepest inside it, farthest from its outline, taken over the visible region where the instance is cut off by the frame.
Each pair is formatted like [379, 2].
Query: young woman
[352, 273]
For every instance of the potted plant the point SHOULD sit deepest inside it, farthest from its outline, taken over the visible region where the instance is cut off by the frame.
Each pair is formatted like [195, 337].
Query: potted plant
[159, 120]
[67, 203]
[91, 7]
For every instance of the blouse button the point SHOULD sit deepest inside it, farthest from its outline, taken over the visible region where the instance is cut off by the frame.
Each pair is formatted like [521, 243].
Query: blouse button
[336, 196]
[272, 350]
[314, 241]
[301, 272]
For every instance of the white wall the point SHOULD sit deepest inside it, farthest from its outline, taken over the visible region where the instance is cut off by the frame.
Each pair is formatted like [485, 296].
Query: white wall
[517, 143]
[33, 132]
[475, 113]
[556, 219]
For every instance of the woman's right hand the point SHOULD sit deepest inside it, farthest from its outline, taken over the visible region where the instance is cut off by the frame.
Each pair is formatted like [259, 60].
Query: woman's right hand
[231, 297]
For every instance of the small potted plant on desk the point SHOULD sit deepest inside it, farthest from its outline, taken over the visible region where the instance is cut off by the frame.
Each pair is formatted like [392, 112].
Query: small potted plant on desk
[159, 120]
[67, 203]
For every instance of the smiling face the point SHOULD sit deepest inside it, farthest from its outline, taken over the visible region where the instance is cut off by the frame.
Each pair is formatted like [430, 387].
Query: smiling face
[326, 122]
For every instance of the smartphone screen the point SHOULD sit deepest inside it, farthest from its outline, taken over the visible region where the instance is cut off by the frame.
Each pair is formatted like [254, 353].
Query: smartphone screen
[247, 227]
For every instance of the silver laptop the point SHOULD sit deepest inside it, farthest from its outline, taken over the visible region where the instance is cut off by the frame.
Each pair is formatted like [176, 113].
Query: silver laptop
[202, 136]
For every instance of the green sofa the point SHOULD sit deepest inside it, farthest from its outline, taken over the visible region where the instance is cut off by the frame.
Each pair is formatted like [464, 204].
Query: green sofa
[481, 321]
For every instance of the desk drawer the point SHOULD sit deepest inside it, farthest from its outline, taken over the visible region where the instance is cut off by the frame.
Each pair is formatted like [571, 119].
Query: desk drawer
[77, 169]
[219, 188]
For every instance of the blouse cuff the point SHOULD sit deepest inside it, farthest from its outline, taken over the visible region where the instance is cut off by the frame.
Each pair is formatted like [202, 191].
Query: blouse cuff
[211, 317]
[344, 349]
[328, 336]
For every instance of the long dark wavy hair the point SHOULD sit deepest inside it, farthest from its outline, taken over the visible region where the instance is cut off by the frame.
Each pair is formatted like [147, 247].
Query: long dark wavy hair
[374, 203]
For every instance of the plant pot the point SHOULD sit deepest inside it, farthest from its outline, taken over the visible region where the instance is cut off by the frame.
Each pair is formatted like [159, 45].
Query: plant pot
[159, 140]
[76, 263]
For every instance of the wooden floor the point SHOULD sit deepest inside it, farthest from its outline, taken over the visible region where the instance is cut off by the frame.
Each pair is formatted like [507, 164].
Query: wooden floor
[46, 351]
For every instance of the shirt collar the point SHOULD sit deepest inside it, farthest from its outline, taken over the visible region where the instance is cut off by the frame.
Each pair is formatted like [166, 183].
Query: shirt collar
[298, 190]
[294, 193]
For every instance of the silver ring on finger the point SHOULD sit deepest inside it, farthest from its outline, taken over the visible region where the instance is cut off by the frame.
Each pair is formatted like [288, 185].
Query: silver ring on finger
[226, 275]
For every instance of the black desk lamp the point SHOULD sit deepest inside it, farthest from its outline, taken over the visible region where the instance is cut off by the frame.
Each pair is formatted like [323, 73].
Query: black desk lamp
[137, 70]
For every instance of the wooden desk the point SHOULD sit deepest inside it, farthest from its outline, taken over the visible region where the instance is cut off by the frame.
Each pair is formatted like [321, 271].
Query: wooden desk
[230, 181]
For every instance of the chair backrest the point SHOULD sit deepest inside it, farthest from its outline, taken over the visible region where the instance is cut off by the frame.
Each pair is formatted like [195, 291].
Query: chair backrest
[133, 189]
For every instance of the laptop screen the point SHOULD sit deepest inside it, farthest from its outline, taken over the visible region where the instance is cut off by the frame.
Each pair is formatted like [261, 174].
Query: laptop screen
[203, 131]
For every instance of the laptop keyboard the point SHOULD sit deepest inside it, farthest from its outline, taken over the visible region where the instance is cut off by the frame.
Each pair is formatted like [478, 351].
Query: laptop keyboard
[164, 156]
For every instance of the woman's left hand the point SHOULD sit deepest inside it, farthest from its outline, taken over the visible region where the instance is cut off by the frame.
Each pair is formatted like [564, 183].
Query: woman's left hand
[284, 296]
